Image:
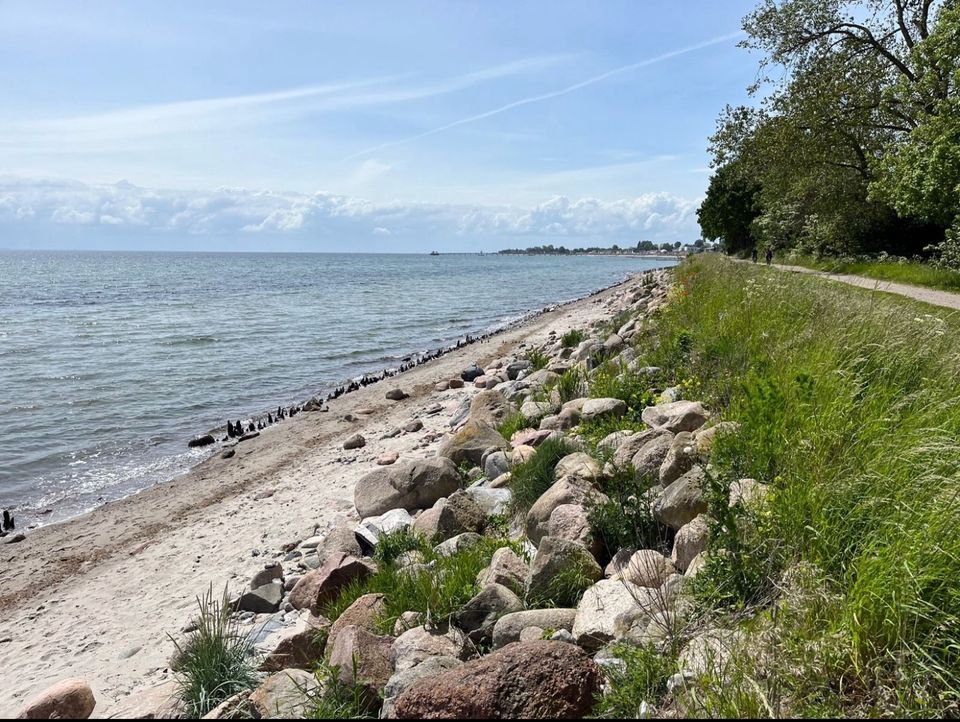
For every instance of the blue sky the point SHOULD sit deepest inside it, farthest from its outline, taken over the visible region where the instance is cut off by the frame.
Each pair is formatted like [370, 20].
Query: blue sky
[360, 125]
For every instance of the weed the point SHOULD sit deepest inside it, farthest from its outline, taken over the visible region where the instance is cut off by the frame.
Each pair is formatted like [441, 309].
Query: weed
[572, 338]
[532, 478]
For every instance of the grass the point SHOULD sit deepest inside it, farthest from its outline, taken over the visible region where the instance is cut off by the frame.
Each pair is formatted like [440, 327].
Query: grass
[849, 405]
[512, 424]
[572, 338]
[336, 700]
[216, 662]
[624, 521]
[897, 270]
[637, 688]
[565, 589]
[533, 477]
[609, 381]
[538, 358]
[435, 592]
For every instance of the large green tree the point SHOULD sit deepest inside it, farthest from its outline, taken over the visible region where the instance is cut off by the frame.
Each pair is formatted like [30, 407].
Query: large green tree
[729, 209]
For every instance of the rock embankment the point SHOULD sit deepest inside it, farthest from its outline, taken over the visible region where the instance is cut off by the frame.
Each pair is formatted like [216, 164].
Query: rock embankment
[539, 630]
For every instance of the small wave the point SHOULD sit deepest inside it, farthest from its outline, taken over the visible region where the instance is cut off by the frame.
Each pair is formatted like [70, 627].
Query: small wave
[191, 341]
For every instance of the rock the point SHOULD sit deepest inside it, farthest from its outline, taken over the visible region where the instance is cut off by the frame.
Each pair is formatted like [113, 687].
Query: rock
[418, 644]
[611, 442]
[355, 442]
[396, 395]
[491, 407]
[709, 653]
[471, 373]
[586, 350]
[601, 605]
[517, 367]
[533, 411]
[679, 459]
[676, 416]
[69, 699]
[363, 660]
[338, 539]
[705, 438]
[613, 345]
[228, 453]
[682, 501]
[495, 464]
[566, 419]
[407, 621]
[480, 613]
[262, 600]
[320, 585]
[470, 442]
[530, 438]
[558, 559]
[204, 440]
[568, 490]
[413, 485]
[161, 701]
[521, 453]
[510, 626]
[570, 522]
[696, 565]
[602, 409]
[494, 501]
[520, 681]
[456, 383]
[284, 695]
[543, 377]
[456, 514]
[628, 446]
[393, 521]
[235, 707]
[619, 562]
[747, 492]
[646, 568]
[506, 568]
[691, 540]
[441, 386]
[413, 425]
[457, 544]
[580, 465]
[387, 458]
[272, 571]
[363, 613]
[648, 460]
[298, 646]
[400, 682]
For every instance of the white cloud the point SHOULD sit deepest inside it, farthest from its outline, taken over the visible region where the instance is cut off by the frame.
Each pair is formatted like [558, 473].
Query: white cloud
[226, 212]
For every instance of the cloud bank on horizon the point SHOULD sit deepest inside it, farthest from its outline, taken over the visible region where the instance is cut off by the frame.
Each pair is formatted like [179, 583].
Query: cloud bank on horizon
[458, 127]
[39, 213]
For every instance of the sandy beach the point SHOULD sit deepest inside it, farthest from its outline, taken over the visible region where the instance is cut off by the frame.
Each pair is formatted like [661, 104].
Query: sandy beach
[97, 596]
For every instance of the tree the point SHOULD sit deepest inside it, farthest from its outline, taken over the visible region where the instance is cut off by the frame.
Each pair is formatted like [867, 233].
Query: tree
[646, 246]
[729, 209]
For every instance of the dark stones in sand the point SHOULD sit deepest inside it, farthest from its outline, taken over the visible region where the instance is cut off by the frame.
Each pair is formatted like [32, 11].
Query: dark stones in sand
[355, 442]
[228, 453]
[14, 538]
[251, 435]
[9, 524]
[396, 395]
[471, 374]
[205, 440]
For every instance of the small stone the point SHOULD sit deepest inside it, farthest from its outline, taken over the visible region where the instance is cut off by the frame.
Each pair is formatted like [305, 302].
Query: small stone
[397, 395]
[355, 442]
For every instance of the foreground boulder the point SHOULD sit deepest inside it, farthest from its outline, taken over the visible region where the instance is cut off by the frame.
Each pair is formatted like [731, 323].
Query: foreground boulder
[362, 660]
[323, 584]
[469, 444]
[478, 616]
[568, 490]
[415, 485]
[364, 613]
[69, 699]
[491, 407]
[559, 559]
[298, 646]
[676, 416]
[522, 680]
[600, 606]
[284, 695]
[682, 501]
[419, 643]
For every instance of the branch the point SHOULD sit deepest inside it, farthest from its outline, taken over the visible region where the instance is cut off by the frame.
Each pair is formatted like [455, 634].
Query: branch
[907, 37]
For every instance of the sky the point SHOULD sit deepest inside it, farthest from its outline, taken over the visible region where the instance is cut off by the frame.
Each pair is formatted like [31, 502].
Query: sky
[360, 126]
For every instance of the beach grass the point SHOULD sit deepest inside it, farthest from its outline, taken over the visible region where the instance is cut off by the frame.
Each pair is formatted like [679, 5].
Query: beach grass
[531, 479]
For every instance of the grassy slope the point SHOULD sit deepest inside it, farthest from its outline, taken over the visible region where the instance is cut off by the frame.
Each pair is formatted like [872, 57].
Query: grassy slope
[850, 410]
[914, 274]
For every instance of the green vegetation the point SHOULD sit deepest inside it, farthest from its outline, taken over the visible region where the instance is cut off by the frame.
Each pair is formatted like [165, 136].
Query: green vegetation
[512, 424]
[897, 270]
[531, 479]
[392, 546]
[572, 338]
[643, 681]
[625, 521]
[853, 143]
[436, 592]
[336, 700]
[565, 589]
[216, 662]
[611, 382]
[849, 406]
[538, 358]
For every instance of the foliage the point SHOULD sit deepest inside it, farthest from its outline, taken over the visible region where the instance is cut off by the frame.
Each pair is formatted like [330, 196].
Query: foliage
[337, 700]
[392, 546]
[216, 662]
[538, 358]
[572, 338]
[610, 381]
[633, 691]
[729, 209]
[512, 424]
[532, 478]
[565, 589]
[624, 521]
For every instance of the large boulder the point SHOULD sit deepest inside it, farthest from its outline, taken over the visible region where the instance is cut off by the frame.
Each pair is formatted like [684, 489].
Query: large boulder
[676, 416]
[510, 626]
[506, 568]
[362, 660]
[491, 407]
[679, 460]
[456, 514]
[571, 522]
[601, 604]
[414, 485]
[521, 681]
[321, 585]
[650, 457]
[493, 501]
[533, 411]
[470, 442]
[364, 613]
[602, 409]
[69, 699]
[682, 501]
[578, 464]
[478, 616]
[556, 563]
[418, 644]
[568, 490]
[495, 464]
[691, 541]
[400, 682]
[646, 568]
[627, 445]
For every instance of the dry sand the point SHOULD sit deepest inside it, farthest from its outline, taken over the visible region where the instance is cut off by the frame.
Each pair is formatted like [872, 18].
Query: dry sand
[95, 597]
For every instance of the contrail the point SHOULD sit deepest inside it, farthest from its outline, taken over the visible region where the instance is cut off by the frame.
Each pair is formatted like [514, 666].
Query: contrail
[553, 94]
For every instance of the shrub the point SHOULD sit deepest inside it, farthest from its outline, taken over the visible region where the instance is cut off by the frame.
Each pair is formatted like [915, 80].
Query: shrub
[634, 691]
[336, 700]
[512, 424]
[392, 546]
[531, 479]
[625, 521]
[572, 338]
[539, 359]
[216, 661]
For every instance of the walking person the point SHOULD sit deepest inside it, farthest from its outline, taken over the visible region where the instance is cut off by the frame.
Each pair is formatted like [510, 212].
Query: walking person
[769, 255]
[753, 254]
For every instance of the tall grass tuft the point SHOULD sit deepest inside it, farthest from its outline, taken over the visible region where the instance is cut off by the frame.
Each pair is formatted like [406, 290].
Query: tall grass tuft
[531, 479]
[216, 662]
[572, 338]
[538, 358]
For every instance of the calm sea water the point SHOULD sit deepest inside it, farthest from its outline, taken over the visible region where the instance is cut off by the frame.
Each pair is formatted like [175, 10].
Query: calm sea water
[110, 362]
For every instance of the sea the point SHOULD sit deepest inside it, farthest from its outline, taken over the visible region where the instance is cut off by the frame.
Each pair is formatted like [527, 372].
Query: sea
[110, 362]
